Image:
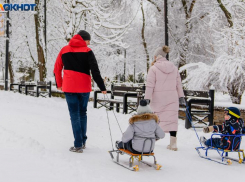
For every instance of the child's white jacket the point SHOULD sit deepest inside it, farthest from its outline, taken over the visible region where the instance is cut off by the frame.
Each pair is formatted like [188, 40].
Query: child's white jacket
[142, 127]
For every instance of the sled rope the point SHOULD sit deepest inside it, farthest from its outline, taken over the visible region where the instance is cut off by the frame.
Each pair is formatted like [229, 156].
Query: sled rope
[115, 116]
[190, 120]
[109, 127]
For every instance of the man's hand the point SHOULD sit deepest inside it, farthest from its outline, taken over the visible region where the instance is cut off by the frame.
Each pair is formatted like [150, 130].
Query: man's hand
[104, 92]
[59, 88]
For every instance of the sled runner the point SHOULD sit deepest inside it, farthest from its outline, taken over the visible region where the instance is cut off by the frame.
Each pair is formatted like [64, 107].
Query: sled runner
[224, 154]
[132, 157]
[138, 157]
[225, 159]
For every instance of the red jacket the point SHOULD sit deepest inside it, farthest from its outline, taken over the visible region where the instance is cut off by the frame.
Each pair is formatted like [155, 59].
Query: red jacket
[77, 60]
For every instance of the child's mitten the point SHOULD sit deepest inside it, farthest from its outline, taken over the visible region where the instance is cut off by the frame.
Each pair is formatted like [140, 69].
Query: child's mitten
[208, 129]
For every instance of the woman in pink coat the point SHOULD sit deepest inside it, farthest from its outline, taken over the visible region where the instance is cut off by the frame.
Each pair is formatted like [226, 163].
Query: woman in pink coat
[164, 90]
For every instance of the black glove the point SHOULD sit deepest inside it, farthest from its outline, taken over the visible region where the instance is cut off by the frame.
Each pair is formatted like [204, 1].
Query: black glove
[148, 101]
[182, 101]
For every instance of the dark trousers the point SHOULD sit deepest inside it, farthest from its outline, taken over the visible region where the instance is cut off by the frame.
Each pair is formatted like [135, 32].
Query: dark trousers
[77, 105]
[173, 133]
[128, 146]
[215, 143]
[227, 143]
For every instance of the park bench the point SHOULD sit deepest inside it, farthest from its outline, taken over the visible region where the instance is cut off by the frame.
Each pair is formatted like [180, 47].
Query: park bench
[40, 89]
[201, 106]
[13, 88]
[20, 85]
[124, 92]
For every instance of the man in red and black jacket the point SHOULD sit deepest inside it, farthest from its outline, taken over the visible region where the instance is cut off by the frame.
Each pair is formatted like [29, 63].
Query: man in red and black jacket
[77, 60]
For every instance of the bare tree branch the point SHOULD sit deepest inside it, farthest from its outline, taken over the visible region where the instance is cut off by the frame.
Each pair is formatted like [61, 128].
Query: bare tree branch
[185, 8]
[227, 13]
[203, 16]
[192, 6]
[155, 4]
[143, 38]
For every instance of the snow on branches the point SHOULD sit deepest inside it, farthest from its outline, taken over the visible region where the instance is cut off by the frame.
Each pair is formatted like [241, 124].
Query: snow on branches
[213, 42]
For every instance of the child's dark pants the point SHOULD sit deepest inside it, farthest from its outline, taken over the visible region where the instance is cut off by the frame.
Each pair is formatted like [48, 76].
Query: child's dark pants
[128, 146]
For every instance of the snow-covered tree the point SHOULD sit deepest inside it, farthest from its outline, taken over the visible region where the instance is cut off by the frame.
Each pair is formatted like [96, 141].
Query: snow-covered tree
[227, 73]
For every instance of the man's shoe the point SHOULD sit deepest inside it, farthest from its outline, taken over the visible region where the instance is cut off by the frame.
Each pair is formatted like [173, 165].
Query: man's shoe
[76, 149]
[84, 146]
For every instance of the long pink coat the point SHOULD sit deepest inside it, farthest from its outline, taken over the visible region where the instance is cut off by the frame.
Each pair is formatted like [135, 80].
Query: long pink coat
[164, 88]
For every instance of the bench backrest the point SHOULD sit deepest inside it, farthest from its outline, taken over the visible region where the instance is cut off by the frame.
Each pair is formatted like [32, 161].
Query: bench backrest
[200, 94]
[193, 93]
[118, 90]
[43, 83]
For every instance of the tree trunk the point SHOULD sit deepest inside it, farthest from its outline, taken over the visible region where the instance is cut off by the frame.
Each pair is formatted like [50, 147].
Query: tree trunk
[143, 39]
[11, 72]
[236, 96]
[185, 46]
[40, 52]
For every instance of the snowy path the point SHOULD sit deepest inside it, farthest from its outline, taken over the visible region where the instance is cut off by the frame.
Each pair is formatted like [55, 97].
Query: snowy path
[35, 135]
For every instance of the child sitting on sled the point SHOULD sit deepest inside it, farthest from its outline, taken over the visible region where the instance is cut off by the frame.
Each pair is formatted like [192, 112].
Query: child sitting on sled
[142, 132]
[233, 125]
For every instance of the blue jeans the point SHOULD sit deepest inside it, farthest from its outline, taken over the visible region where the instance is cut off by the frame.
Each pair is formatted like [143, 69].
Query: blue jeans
[77, 105]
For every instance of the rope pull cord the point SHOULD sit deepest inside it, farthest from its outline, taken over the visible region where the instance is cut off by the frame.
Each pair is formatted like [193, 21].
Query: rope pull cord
[190, 120]
[109, 127]
[109, 122]
[115, 116]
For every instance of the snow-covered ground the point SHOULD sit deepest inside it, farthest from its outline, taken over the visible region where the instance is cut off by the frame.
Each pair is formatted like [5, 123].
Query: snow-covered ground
[35, 136]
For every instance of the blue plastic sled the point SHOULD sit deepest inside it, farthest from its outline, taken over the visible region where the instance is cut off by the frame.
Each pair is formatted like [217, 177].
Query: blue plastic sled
[225, 159]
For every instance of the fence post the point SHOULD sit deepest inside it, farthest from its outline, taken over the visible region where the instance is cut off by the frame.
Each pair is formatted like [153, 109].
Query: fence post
[95, 99]
[50, 89]
[112, 97]
[188, 112]
[211, 119]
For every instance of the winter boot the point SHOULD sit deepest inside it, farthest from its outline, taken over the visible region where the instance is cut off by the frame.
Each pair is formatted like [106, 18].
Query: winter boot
[116, 144]
[76, 149]
[203, 140]
[173, 144]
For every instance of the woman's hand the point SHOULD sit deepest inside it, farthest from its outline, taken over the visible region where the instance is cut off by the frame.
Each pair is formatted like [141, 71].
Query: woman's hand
[182, 101]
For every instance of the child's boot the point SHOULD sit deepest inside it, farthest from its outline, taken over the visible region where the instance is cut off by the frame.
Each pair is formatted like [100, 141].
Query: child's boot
[116, 144]
[173, 144]
[203, 141]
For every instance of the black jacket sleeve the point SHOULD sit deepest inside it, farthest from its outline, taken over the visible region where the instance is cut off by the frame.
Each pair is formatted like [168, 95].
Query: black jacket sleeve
[95, 71]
